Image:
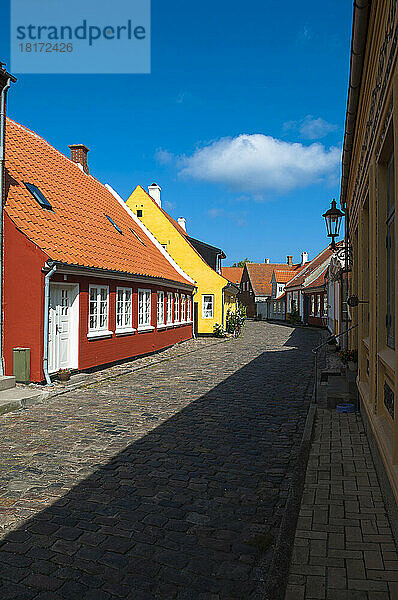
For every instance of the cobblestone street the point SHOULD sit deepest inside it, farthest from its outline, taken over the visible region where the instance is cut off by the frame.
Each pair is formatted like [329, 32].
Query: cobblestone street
[166, 483]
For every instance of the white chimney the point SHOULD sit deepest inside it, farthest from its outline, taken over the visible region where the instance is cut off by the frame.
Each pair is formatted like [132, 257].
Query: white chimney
[304, 258]
[154, 192]
[182, 222]
[266, 260]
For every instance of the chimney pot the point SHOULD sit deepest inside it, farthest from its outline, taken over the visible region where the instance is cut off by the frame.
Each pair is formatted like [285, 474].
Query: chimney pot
[290, 260]
[78, 154]
[182, 222]
[154, 191]
[266, 260]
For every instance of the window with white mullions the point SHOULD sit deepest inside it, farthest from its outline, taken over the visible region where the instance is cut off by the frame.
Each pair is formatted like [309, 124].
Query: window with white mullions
[123, 308]
[390, 249]
[189, 308]
[176, 308]
[208, 306]
[98, 308]
[144, 308]
[160, 308]
[325, 304]
[169, 307]
[318, 304]
[183, 309]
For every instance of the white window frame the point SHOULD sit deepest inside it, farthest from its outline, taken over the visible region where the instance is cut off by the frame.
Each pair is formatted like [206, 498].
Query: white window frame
[318, 305]
[126, 312]
[325, 304]
[176, 308]
[98, 330]
[146, 296]
[189, 309]
[169, 308]
[183, 308]
[312, 312]
[205, 314]
[160, 309]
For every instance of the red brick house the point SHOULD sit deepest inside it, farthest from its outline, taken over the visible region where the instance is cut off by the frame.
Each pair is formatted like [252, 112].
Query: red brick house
[85, 283]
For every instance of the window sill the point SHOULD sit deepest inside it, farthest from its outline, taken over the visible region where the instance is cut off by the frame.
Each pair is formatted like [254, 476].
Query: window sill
[125, 331]
[99, 334]
[162, 326]
[144, 328]
[387, 357]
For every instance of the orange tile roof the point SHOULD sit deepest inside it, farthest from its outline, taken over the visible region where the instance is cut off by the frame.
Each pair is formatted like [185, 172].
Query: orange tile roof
[260, 275]
[284, 276]
[317, 262]
[76, 231]
[233, 274]
[319, 281]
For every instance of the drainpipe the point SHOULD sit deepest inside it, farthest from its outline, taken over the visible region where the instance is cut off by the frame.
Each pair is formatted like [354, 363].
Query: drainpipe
[9, 79]
[222, 307]
[46, 318]
[193, 313]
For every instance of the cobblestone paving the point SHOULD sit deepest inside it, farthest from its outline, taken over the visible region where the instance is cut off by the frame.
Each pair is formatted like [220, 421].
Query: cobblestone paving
[344, 548]
[167, 483]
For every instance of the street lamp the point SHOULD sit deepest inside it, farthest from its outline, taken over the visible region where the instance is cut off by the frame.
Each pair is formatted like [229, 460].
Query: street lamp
[333, 218]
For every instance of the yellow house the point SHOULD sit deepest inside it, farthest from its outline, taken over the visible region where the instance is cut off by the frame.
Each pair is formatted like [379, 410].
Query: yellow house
[201, 261]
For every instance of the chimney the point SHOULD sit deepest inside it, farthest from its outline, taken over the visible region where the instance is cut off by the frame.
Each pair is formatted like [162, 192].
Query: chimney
[304, 258]
[266, 260]
[182, 222]
[289, 260]
[78, 154]
[154, 192]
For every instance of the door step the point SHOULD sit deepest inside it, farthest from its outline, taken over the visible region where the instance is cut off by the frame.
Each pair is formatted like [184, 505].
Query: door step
[7, 382]
[16, 398]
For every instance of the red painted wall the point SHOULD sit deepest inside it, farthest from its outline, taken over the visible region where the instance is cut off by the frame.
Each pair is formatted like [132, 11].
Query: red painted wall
[24, 311]
[23, 298]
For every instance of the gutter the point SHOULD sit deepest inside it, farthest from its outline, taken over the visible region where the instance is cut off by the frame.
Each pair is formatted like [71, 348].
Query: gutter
[47, 278]
[358, 46]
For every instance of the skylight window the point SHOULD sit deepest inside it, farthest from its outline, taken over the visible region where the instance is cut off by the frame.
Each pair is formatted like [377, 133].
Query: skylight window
[38, 196]
[114, 224]
[137, 236]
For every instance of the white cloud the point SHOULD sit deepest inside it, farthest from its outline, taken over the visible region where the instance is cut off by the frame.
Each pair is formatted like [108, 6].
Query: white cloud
[164, 157]
[310, 128]
[258, 163]
[314, 129]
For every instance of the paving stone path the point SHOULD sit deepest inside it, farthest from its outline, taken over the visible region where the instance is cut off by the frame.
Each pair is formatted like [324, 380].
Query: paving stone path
[344, 548]
[166, 483]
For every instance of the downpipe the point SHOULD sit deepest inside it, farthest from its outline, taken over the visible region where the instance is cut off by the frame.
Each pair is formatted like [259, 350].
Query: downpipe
[46, 320]
[2, 195]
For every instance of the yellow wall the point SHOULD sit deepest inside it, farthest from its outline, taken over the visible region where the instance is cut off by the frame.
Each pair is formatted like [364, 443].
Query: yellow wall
[207, 280]
[376, 136]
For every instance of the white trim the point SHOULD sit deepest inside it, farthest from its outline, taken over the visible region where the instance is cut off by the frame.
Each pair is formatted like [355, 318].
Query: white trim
[149, 235]
[126, 331]
[160, 295]
[144, 328]
[159, 327]
[99, 334]
[98, 329]
[74, 322]
[124, 328]
[212, 306]
[145, 325]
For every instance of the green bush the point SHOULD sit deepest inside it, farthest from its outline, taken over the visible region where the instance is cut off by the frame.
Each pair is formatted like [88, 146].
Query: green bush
[294, 317]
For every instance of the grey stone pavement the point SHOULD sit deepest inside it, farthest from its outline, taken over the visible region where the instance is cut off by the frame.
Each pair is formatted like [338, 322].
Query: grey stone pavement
[344, 548]
[164, 483]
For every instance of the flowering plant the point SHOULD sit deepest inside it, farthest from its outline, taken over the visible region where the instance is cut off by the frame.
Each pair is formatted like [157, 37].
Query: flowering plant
[348, 356]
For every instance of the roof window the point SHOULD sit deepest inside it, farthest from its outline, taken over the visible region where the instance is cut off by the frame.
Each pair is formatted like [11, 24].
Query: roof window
[114, 224]
[38, 196]
[137, 236]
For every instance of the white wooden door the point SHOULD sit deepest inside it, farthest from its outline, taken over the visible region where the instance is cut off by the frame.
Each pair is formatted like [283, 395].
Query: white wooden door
[61, 336]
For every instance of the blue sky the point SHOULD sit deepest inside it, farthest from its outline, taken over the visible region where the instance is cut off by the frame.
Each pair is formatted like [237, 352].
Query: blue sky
[240, 121]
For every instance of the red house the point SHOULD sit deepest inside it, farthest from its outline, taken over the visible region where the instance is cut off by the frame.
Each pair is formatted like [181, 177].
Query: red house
[85, 283]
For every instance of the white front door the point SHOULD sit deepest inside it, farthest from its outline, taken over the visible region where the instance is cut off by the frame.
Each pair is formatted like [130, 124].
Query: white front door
[63, 327]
